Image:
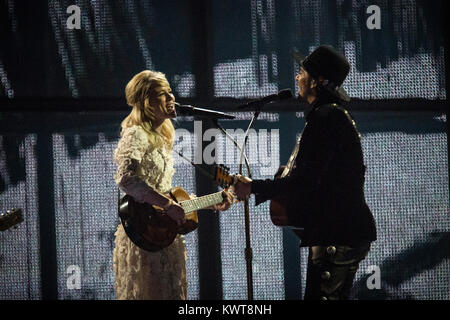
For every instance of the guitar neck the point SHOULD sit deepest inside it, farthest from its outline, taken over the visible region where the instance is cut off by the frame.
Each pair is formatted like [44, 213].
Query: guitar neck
[201, 202]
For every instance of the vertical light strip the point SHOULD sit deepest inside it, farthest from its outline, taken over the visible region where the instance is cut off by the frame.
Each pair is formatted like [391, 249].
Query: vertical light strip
[139, 35]
[54, 11]
[12, 15]
[5, 82]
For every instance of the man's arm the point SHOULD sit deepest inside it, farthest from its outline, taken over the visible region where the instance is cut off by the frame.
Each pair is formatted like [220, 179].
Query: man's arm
[319, 143]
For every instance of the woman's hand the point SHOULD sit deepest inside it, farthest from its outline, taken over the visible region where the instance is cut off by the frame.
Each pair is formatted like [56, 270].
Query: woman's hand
[226, 203]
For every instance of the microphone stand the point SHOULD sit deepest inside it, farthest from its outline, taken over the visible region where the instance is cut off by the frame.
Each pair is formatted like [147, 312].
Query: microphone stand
[248, 249]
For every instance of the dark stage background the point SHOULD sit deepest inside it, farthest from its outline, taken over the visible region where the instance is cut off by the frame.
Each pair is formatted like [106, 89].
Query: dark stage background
[61, 104]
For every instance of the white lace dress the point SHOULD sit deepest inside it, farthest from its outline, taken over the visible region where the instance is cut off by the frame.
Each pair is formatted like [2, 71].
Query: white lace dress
[140, 274]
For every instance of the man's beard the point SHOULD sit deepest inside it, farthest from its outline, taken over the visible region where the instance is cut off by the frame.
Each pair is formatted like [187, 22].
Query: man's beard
[307, 91]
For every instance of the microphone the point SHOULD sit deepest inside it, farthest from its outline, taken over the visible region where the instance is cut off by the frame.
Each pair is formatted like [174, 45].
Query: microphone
[281, 95]
[187, 110]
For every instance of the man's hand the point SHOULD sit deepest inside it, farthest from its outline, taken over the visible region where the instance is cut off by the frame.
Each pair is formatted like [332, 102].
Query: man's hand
[243, 187]
[226, 203]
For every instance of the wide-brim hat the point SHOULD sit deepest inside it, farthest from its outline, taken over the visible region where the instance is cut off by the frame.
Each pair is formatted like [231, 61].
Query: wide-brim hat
[328, 63]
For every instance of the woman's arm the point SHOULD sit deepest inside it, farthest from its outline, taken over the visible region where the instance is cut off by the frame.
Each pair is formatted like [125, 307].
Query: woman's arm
[128, 155]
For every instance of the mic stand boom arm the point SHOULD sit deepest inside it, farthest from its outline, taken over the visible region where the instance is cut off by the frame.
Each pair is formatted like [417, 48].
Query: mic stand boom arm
[216, 123]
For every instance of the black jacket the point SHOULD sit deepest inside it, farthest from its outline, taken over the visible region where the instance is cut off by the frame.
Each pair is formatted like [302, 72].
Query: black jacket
[326, 185]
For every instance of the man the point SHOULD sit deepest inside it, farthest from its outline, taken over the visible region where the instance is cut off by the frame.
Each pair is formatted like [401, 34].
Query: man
[323, 181]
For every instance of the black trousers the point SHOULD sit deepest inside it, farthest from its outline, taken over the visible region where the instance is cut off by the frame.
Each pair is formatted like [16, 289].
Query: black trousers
[331, 271]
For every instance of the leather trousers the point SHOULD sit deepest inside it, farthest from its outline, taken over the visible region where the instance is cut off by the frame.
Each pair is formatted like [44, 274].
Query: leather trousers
[331, 271]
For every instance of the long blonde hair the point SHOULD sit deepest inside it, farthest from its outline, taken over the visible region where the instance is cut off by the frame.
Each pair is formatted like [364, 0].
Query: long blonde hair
[137, 92]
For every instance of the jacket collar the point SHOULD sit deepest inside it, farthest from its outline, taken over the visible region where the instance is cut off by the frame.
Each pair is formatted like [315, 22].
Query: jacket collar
[320, 101]
[311, 107]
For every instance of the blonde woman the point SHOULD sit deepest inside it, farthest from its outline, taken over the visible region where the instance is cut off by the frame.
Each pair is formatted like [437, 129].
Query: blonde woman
[145, 170]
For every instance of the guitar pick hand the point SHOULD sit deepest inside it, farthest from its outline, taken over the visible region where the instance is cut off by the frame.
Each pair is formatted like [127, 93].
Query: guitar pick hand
[176, 213]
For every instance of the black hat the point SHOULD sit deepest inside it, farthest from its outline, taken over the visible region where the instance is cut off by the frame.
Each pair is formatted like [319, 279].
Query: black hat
[325, 61]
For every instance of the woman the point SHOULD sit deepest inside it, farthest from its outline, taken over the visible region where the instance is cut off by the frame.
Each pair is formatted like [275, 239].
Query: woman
[145, 170]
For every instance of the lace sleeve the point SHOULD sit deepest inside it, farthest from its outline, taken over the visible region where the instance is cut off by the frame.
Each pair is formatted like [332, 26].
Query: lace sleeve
[128, 155]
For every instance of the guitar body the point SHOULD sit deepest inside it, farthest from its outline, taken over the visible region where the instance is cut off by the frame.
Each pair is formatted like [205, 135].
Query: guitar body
[279, 208]
[278, 211]
[148, 227]
[279, 215]
[278, 205]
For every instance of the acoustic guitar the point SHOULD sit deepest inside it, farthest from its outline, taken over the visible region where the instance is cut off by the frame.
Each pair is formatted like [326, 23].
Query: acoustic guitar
[151, 229]
[278, 211]
[279, 207]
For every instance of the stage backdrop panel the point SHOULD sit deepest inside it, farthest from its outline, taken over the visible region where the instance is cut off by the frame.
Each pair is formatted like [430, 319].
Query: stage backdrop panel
[406, 188]
[248, 44]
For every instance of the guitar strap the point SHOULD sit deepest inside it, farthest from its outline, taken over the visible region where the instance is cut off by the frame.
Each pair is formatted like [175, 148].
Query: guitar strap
[290, 164]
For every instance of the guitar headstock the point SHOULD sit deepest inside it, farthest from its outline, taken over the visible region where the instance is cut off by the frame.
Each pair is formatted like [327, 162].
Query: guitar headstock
[223, 177]
[10, 218]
